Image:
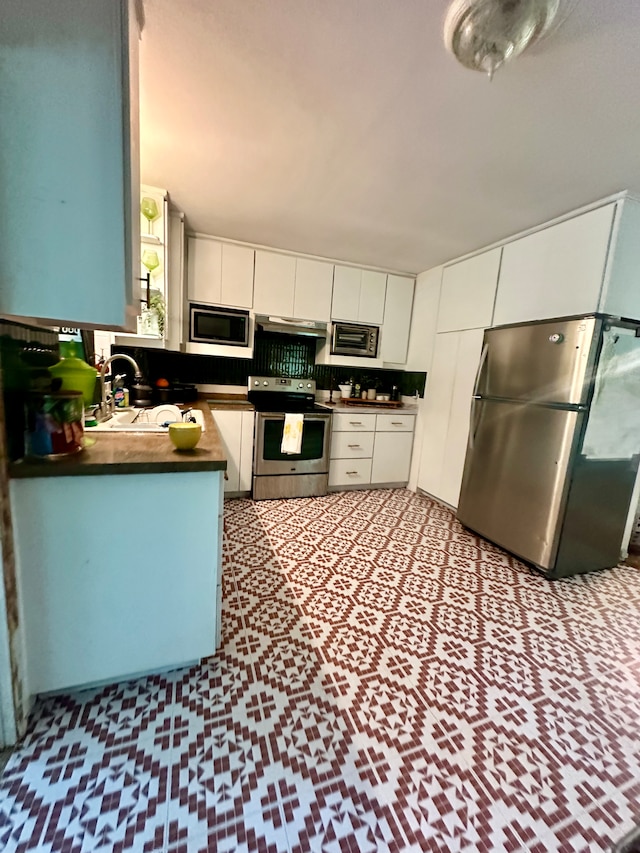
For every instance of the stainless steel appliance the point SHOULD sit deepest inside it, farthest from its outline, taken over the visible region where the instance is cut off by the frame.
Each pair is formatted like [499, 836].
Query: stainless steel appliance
[284, 326]
[554, 442]
[281, 475]
[212, 324]
[354, 339]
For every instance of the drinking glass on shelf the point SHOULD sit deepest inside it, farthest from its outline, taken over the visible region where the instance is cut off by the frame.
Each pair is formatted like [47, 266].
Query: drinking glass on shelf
[150, 259]
[149, 209]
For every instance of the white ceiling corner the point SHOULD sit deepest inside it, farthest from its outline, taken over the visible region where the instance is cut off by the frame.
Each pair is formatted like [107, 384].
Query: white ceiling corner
[343, 128]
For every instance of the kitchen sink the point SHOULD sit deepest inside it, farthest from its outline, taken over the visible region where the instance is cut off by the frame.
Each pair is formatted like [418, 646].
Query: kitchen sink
[140, 421]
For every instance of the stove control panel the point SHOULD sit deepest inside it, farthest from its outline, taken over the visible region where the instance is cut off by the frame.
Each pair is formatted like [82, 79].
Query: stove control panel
[282, 384]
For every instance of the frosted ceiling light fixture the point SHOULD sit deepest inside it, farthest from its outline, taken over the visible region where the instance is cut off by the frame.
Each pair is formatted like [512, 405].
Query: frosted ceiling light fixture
[482, 34]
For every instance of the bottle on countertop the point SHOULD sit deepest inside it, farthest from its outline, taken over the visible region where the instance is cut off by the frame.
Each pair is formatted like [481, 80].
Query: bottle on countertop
[120, 393]
[356, 389]
[395, 393]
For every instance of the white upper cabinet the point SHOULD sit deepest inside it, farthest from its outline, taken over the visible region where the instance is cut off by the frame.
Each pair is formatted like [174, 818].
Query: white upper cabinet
[312, 296]
[555, 272]
[204, 270]
[397, 319]
[373, 287]
[345, 304]
[220, 273]
[236, 279]
[292, 287]
[274, 283]
[468, 292]
[69, 169]
[358, 295]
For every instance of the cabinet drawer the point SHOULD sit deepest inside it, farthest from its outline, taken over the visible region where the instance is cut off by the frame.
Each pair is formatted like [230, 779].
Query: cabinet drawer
[395, 423]
[347, 422]
[350, 472]
[345, 445]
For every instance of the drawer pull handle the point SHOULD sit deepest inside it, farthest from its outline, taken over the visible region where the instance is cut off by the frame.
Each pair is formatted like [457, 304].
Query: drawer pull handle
[397, 423]
[352, 473]
[354, 446]
[355, 423]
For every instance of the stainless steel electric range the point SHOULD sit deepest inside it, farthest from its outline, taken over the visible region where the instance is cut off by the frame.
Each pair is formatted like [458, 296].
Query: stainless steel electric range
[277, 474]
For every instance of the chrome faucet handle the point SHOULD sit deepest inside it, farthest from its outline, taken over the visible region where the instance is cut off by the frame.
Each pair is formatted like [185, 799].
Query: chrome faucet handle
[187, 416]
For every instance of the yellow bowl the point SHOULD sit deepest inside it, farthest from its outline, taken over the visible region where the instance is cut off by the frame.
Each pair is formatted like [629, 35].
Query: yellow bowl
[185, 436]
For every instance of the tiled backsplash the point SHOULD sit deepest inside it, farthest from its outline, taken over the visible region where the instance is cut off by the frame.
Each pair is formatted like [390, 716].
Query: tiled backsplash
[274, 355]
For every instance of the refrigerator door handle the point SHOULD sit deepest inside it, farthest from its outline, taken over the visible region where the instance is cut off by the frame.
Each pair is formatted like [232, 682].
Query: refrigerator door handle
[475, 396]
[483, 361]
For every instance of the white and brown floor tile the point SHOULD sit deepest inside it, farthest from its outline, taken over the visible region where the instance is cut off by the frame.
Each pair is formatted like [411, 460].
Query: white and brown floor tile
[387, 681]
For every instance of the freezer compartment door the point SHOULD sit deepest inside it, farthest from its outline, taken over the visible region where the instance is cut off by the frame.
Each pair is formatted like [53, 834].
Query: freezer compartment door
[515, 481]
[546, 362]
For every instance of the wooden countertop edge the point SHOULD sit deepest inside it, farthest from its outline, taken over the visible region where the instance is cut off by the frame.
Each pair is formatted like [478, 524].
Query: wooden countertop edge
[127, 453]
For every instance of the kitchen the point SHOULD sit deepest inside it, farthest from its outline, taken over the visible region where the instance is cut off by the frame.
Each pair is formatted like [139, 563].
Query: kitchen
[261, 225]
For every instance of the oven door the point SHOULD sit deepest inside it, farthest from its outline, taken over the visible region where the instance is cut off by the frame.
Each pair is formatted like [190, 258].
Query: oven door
[314, 454]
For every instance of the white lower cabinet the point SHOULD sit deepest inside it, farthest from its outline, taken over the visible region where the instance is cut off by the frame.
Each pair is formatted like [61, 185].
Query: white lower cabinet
[236, 432]
[370, 449]
[447, 405]
[349, 472]
[95, 609]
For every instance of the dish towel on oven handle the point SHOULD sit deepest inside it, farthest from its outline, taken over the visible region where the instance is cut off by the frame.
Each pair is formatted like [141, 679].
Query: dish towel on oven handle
[292, 434]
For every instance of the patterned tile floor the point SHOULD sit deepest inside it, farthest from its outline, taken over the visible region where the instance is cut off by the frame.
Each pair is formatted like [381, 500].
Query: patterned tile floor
[387, 682]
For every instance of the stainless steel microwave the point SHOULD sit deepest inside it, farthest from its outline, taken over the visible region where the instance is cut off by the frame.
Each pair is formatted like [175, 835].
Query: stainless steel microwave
[354, 339]
[212, 324]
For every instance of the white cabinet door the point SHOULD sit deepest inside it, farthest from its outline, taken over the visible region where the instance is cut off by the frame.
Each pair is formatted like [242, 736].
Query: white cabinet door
[395, 423]
[274, 283]
[555, 272]
[246, 451]
[70, 162]
[345, 304]
[350, 472]
[236, 432]
[230, 428]
[437, 405]
[175, 282]
[236, 280]
[468, 293]
[391, 457]
[353, 422]
[314, 282]
[344, 445]
[373, 287]
[455, 449]
[397, 318]
[204, 270]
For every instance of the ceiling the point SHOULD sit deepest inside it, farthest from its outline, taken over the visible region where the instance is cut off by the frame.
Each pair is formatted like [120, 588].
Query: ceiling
[343, 128]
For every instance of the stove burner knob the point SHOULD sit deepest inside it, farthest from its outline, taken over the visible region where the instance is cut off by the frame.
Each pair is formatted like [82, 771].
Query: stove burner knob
[300, 385]
[265, 383]
[308, 385]
[256, 382]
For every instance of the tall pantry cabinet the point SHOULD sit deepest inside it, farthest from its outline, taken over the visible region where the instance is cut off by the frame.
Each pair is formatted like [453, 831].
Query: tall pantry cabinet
[467, 295]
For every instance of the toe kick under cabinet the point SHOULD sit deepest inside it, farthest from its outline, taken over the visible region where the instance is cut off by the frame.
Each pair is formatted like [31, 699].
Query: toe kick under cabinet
[370, 450]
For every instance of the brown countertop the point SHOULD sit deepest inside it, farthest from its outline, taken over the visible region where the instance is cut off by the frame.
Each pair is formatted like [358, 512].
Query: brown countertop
[131, 453]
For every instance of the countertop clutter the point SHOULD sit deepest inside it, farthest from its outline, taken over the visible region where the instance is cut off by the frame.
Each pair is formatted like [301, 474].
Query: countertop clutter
[131, 453]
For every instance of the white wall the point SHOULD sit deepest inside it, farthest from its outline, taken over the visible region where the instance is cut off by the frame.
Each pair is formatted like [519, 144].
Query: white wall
[421, 343]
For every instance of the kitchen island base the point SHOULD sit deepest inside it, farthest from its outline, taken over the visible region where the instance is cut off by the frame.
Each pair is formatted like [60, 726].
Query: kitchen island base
[118, 574]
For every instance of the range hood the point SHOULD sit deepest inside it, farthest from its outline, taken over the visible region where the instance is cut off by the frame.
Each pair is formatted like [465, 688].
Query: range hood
[308, 328]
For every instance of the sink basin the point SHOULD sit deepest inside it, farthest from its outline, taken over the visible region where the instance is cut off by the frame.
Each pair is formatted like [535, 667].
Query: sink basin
[140, 421]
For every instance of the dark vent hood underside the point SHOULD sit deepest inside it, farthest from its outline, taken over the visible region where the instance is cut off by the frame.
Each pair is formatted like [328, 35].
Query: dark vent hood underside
[308, 328]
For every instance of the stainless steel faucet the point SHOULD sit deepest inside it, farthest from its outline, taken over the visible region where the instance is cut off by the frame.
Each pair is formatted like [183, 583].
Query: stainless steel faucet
[106, 407]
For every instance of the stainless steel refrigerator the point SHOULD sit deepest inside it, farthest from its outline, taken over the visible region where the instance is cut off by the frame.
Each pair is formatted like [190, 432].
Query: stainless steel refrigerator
[554, 442]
